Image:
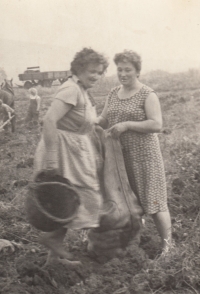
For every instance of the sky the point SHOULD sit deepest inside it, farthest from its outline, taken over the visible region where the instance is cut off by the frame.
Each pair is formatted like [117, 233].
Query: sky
[48, 33]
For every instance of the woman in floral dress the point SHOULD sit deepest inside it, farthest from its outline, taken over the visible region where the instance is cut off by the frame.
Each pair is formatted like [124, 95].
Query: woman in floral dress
[132, 112]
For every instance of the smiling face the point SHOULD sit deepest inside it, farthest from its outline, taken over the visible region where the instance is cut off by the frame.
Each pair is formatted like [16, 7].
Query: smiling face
[127, 73]
[90, 75]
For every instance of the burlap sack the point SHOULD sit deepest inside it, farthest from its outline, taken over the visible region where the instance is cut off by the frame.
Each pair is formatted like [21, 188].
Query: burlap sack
[121, 219]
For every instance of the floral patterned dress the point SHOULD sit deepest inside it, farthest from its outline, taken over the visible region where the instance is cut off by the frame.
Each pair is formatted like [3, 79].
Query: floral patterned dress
[142, 155]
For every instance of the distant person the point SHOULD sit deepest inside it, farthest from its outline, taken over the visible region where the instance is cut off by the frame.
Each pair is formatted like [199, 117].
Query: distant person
[132, 113]
[34, 106]
[6, 113]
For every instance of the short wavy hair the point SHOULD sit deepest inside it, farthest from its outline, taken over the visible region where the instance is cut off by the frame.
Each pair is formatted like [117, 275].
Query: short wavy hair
[130, 56]
[87, 56]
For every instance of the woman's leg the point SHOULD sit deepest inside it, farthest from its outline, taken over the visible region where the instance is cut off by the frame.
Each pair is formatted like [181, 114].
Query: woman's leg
[162, 221]
[54, 242]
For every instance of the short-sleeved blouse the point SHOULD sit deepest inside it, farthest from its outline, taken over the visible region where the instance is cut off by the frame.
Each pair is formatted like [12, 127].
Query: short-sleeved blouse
[71, 92]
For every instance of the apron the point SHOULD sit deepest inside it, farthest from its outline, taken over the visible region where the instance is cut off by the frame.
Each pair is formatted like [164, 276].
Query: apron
[79, 161]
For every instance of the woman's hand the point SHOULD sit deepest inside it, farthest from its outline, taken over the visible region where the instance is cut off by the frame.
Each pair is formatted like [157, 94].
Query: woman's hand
[116, 130]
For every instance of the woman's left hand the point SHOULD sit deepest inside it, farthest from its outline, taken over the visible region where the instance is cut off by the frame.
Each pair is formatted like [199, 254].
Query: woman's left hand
[117, 130]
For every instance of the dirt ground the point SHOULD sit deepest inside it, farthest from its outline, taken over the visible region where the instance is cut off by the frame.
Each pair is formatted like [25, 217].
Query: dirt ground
[139, 270]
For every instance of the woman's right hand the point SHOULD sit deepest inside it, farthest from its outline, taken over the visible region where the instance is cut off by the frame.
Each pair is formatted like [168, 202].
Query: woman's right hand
[116, 130]
[102, 122]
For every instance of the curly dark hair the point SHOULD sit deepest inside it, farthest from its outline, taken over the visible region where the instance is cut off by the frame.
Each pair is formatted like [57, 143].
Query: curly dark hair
[130, 56]
[85, 57]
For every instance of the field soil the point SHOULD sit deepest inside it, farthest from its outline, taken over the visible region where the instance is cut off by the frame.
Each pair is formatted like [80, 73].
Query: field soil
[140, 270]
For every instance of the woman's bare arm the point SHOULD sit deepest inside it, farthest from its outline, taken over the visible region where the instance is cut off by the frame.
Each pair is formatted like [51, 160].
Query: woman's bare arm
[57, 110]
[38, 103]
[102, 119]
[153, 123]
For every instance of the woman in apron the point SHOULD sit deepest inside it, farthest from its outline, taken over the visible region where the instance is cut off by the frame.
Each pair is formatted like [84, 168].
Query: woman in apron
[66, 147]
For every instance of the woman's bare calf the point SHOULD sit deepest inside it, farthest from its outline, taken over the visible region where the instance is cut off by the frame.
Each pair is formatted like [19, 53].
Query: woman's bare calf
[54, 242]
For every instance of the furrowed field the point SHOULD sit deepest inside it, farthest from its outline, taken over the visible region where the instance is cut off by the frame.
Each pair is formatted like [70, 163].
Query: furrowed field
[139, 271]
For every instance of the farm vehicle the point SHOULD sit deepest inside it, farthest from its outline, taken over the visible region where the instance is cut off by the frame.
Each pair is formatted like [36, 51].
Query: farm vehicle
[34, 77]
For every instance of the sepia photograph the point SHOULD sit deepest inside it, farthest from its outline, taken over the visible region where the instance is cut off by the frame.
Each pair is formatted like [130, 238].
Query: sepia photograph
[100, 147]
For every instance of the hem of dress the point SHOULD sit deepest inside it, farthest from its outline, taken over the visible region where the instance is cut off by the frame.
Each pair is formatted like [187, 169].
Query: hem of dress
[160, 210]
[76, 227]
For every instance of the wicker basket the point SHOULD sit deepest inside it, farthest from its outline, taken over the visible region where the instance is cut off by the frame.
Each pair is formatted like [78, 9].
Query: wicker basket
[51, 205]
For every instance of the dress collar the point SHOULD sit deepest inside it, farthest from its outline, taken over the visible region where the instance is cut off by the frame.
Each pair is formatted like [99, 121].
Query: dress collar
[77, 81]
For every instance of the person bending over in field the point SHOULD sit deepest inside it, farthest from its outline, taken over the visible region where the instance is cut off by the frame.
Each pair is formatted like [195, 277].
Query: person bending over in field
[34, 106]
[6, 113]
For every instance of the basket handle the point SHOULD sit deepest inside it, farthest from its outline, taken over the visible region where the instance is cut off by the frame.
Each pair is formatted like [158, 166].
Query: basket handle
[42, 176]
